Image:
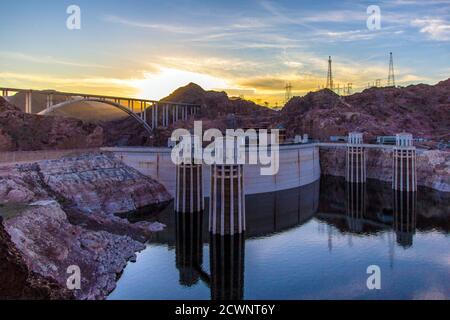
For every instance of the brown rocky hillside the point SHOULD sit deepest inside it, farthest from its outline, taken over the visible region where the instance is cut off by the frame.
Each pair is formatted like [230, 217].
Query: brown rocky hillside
[423, 110]
[28, 132]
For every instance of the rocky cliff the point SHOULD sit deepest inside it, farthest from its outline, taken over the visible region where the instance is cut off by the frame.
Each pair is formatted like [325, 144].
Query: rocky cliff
[421, 109]
[61, 213]
[433, 166]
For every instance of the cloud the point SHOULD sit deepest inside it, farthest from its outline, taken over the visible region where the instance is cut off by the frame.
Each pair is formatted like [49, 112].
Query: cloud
[47, 60]
[352, 35]
[101, 85]
[337, 16]
[436, 29]
[181, 29]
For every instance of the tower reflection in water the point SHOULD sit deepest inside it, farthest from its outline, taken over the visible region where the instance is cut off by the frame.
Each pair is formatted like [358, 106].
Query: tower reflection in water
[356, 206]
[226, 276]
[227, 266]
[405, 217]
[189, 246]
[402, 219]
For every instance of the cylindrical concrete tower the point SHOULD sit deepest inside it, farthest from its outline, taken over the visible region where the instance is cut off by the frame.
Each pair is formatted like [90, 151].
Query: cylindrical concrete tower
[356, 159]
[189, 189]
[404, 177]
[227, 200]
[189, 184]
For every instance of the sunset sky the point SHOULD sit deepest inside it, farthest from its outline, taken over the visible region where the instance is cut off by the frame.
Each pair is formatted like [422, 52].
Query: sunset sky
[249, 48]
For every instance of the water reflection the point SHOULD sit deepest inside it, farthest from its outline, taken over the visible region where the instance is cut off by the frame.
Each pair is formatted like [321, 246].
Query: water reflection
[189, 246]
[356, 206]
[226, 274]
[405, 217]
[227, 267]
[284, 252]
[402, 215]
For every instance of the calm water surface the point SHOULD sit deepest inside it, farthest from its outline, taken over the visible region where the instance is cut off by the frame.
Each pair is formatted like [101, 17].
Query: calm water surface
[314, 242]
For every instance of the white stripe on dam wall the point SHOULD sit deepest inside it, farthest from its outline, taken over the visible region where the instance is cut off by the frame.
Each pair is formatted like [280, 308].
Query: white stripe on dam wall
[299, 166]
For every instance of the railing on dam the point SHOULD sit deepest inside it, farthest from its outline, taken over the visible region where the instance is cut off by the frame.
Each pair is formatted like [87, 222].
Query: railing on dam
[13, 157]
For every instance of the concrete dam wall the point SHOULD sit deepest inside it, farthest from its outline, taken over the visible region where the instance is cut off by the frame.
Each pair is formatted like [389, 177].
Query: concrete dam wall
[299, 166]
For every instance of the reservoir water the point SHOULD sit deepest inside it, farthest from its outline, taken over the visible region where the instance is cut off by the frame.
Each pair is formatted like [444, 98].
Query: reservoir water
[314, 242]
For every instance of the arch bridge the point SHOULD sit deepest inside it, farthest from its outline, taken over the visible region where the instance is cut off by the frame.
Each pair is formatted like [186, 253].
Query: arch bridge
[163, 114]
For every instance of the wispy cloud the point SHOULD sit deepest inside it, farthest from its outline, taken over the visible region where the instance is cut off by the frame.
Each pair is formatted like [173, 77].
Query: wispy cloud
[336, 16]
[180, 29]
[87, 84]
[436, 29]
[48, 60]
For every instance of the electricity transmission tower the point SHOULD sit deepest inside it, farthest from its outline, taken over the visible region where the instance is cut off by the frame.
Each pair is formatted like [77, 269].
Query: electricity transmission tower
[288, 94]
[391, 77]
[349, 88]
[330, 84]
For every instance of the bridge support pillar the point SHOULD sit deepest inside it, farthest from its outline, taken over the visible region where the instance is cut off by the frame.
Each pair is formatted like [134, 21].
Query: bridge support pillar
[4, 93]
[227, 200]
[356, 159]
[172, 110]
[167, 115]
[144, 111]
[155, 116]
[28, 101]
[49, 100]
[404, 177]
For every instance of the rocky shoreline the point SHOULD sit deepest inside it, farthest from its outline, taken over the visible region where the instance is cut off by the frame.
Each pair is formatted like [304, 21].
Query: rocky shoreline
[61, 213]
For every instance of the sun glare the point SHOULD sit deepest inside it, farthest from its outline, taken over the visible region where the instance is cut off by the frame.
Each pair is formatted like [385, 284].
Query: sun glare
[159, 85]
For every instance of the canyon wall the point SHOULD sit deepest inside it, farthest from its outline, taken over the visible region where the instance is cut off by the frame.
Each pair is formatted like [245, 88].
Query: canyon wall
[58, 213]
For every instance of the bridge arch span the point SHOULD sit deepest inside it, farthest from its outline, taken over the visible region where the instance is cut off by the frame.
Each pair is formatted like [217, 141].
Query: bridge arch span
[139, 117]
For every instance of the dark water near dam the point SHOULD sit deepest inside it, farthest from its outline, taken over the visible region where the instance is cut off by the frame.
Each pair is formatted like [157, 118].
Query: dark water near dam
[315, 242]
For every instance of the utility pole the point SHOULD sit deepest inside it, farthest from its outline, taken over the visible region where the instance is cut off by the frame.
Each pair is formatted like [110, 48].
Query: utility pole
[391, 77]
